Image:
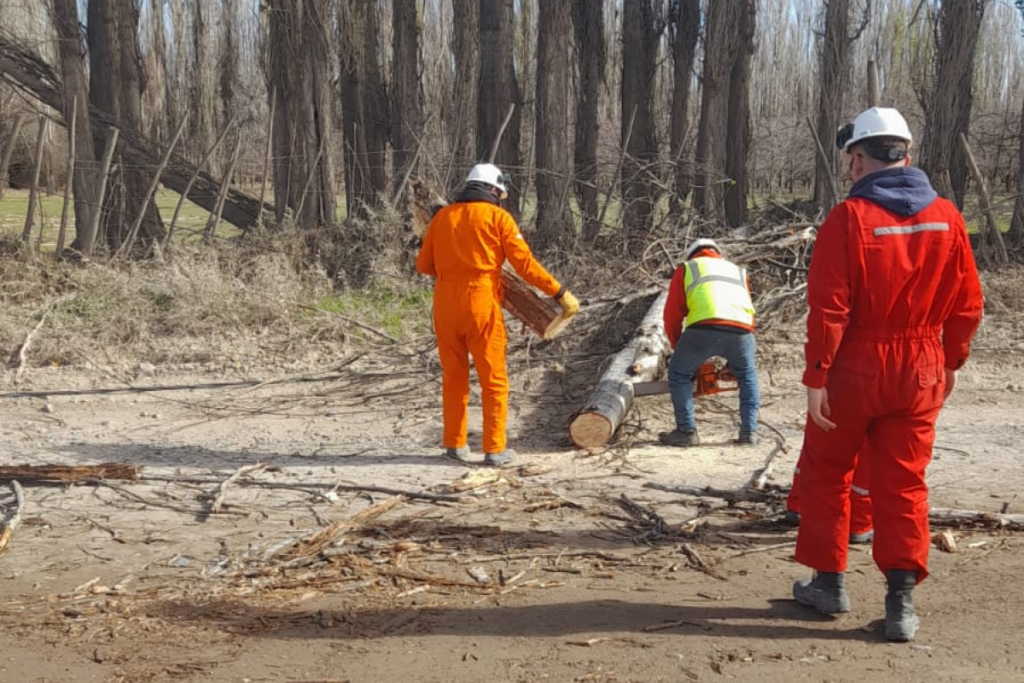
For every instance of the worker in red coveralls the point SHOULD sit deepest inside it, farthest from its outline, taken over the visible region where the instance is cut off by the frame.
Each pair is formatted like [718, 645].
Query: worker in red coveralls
[712, 297]
[861, 525]
[894, 301]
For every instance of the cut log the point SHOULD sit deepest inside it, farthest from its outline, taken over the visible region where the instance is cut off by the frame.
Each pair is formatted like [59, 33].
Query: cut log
[69, 473]
[642, 360]
[8, 526]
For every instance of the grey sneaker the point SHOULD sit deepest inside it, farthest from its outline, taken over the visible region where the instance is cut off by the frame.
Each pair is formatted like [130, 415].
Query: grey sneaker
[461, 454]
[826, 592]
[862, 539]
[679, 438]
[747, 439]
[901, 623]
[506, 457]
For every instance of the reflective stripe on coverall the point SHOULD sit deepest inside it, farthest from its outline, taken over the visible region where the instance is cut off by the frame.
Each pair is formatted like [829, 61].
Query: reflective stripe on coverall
[464, 247]
[893, 300]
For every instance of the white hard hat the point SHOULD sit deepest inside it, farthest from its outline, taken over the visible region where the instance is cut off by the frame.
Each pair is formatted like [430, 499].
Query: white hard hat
[490, 175]
[699, 244]
[874, 123]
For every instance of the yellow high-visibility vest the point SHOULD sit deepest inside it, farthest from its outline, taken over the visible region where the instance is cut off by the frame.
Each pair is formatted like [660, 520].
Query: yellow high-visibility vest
[717, 290]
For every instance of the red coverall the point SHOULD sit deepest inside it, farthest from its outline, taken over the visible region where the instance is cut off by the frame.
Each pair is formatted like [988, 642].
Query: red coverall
[464, 247]
[860, 495]
[893, 301]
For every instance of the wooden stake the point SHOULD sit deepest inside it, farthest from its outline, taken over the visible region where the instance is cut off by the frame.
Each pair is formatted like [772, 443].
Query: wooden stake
[151, 190]
[225, 185]
[69, 181]
[995, 238]
[89, 240]
[192, 180]
[26, 233]
[266, 158]
[5, 158]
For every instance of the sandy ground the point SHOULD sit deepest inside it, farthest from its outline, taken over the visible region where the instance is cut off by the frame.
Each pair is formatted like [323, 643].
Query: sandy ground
[131, 582]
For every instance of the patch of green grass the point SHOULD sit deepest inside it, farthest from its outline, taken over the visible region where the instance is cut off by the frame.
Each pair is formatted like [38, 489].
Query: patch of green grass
[396, 312]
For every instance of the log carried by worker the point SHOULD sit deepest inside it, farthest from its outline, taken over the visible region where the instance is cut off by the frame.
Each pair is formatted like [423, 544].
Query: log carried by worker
[464, 248]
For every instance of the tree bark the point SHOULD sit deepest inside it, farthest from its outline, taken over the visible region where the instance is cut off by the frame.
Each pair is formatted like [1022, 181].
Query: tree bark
[461, 114]
[116, 82]
[300, 83]
[948, 113]
[406, 93]
[76, 89]
[497, 89]
[1015, 235]
[229, 59]
[201, 90]
[737, 138]
[639, 54]
[588, 27]
[833, 82]
[719, 54]
[8, 151]
[553, 166]
[685, 26]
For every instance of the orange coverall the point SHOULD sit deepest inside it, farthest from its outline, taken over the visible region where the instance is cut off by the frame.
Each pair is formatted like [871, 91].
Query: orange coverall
[464, 248]
[894, 300]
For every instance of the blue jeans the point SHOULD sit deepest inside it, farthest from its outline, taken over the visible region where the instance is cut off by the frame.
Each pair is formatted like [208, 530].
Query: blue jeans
[694, 347]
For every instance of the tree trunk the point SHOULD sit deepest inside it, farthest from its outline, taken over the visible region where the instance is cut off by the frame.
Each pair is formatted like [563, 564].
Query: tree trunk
[553, 166]
[685, 26]
[1015, 236]
[116, 82]
[639, 53]
[201, 91]
[949, 108]
[461, 114]
[76, 88]
[229, 59]
[834, 80]
[363, 105]
[588, 27]
[300, 83]
[719, 54]
[406, 93]
[737, 138]
[497, 90]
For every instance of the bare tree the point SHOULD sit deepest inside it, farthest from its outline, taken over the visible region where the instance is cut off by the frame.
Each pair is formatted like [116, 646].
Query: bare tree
[498, 89]
[76, 96]
[229, 59]
[640, 34]
[299, 81]
[116, 82]
[553, 165]
[588, 28]
[406, 92]
[461, 113]
[949, 108]
[737, 137]
[833, 82]
[202, 105]
[719, 53]
[684, 24]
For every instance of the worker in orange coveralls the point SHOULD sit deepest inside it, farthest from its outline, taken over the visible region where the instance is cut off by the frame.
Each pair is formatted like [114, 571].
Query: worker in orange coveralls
[861, 531]
[894, 301]
[464, 248]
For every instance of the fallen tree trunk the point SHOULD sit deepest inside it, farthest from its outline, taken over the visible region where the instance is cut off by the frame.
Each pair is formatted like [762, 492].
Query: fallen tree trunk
[642, 360]
[69, 473]
[30, 73]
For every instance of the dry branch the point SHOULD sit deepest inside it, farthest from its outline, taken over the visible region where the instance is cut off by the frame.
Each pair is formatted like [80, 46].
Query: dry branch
[69, 473]
[8, 526]
[327, 536]
[222, 490]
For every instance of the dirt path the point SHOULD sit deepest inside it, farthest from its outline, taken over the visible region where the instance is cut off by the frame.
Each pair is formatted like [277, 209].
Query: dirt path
[132, 582]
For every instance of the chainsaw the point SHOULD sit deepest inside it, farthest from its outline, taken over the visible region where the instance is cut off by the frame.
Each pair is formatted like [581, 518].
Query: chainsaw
[712, 377]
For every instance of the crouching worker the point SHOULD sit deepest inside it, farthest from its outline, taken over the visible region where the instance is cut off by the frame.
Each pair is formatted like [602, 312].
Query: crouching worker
[712, 297]
[894, 301]
[464, 248]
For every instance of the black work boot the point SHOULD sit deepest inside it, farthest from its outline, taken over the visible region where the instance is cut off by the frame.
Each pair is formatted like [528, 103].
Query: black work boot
[900, 621]
[826, 592]
[505, 457]
[747, 439]
[460, 454]
[678, 437]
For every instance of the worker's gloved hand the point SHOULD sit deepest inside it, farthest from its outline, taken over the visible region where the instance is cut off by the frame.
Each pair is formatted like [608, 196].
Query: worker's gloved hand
[569, 303]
